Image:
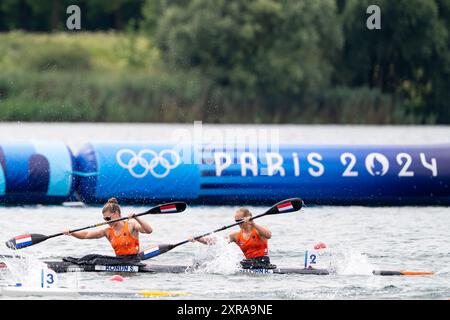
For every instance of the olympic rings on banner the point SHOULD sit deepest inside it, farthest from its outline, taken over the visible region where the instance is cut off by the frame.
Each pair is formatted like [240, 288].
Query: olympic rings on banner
[149, 160]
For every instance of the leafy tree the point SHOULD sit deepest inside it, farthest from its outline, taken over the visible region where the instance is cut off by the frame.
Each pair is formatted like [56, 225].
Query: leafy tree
[272, 52]
[115, 13]
[402, 58]
[440, 96]
[32, 15]
[153, 9]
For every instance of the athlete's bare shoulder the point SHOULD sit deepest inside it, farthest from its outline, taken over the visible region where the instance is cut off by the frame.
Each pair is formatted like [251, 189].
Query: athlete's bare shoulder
[233, 236]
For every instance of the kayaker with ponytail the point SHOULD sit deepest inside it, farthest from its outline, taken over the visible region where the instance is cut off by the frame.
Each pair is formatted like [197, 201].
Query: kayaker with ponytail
[122, 235]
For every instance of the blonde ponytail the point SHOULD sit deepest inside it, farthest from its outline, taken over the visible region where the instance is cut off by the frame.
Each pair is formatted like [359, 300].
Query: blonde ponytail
[112, 206]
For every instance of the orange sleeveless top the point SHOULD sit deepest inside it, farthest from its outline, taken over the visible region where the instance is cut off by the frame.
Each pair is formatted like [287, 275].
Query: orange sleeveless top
[124, 243]
[254, 246]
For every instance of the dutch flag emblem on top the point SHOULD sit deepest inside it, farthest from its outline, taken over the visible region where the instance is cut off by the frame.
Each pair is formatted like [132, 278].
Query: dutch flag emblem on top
[168, 209]
[285, 207]
[151, 251]
[23, 241]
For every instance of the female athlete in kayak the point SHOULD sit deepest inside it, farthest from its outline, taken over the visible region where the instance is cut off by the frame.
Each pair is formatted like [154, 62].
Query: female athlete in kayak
[252, 239]
[123, 235]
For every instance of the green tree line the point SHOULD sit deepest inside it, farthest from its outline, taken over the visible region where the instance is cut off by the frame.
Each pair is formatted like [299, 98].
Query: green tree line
[50, 15]
[272, 61]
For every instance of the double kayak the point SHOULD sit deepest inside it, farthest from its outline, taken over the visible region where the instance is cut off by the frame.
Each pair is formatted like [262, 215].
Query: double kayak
[132, 264]
[65, 266]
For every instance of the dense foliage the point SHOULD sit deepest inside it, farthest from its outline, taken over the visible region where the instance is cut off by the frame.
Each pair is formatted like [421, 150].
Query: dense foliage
[273, 61]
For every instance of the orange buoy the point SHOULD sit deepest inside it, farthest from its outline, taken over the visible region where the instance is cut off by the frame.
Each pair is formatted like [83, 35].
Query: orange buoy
[116, 277]
[320, 245]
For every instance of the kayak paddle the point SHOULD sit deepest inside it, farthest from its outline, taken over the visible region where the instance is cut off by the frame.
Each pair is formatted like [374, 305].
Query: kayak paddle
[27, 240]
[285, 206]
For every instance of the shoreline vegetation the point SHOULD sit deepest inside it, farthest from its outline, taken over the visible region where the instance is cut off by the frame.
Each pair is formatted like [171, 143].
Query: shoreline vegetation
[244, 61]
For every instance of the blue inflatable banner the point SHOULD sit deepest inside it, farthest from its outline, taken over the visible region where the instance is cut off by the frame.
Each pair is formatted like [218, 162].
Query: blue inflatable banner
[135, 173]
[354, 174]
[35, 172]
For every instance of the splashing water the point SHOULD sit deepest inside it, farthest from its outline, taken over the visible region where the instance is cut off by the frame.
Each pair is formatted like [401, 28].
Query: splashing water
[221, 257]
[350, 262]
[26, 271]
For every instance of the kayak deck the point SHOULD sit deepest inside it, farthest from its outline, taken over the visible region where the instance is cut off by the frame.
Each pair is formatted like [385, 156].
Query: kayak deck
[65, 266]
[62, 266]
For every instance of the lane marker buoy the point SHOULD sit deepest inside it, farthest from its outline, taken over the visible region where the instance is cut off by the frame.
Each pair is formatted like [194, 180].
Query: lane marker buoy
[117, 278]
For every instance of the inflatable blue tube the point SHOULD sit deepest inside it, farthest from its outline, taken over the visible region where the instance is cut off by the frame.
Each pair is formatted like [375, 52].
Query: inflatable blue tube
[134, 173]
[35, 172]
[363, 175]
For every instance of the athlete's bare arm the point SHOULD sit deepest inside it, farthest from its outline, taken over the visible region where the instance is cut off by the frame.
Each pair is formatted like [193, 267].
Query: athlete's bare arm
[92, 234]
[140, 225]
[212, 240]
[262, 231]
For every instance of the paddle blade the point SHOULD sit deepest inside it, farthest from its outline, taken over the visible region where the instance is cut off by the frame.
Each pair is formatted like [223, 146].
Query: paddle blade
[285, 206]
[167, 208]
[155, 250]
[25, 240]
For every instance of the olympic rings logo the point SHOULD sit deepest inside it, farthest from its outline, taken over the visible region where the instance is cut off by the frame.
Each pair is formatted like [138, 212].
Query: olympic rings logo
[149, 160]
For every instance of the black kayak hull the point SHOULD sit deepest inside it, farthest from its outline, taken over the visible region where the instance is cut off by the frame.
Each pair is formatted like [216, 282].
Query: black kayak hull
[62, 267]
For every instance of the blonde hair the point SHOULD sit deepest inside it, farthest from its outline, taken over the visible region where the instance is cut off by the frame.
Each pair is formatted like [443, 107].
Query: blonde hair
[245, 211]
[111, 206]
